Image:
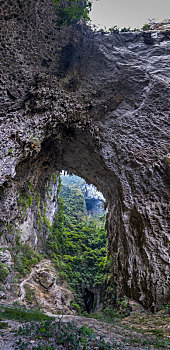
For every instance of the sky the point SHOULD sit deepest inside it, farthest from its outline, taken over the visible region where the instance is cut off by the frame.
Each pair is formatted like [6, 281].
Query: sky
[128, 13]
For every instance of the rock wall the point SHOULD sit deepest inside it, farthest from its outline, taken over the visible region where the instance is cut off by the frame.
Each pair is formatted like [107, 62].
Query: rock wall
[95, 105]
[44, 288]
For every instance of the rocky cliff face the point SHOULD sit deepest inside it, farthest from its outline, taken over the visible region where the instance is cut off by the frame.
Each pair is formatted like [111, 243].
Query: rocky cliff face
[95, 105]
[44, 288]
[94, 199]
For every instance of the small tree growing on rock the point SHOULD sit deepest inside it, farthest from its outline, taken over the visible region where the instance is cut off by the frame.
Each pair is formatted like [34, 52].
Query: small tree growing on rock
[71, 11]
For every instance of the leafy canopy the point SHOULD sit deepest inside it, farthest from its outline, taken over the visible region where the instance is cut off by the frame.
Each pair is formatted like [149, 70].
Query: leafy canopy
[77, 243]
[71, 11]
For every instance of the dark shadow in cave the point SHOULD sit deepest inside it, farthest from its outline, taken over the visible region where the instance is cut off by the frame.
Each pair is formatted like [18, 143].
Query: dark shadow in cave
[88, 298]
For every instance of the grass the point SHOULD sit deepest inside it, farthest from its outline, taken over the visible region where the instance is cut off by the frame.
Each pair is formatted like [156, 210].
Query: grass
[20, 314]
[146, 327]
[3, 324]
[107, 314]
[41, 332]
[157, 343]
[30, 295]
[48, 335]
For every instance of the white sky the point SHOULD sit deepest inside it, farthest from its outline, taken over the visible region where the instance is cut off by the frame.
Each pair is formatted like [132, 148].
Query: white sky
[128, 13]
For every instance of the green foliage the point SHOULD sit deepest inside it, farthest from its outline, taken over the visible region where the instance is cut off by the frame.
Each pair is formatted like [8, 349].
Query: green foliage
[110, 314]
[39, 219]
[59, 186]
[71, 11]
[30, 186]
[38, 197]
[3, 325]
[30, 294]
[146, 26]
[49, 191]
[102, 31]
[158, 332]
[10, 151]
[50, 335]
[53, 178]
[107, 314]
[75, 306]
[125, 30]
[3, 272]
[20, 314]
[24, 257]
[77, 244]
[26, 198]
[114, 29]
[29, 197]
[47, 222]
[165, 308]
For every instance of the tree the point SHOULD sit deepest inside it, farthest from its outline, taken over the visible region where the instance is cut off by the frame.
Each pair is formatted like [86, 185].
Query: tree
[78, 244]
[71, 11]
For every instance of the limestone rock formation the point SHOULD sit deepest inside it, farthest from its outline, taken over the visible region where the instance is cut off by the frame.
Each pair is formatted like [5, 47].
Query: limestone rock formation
[98, 106]
[44, 289]
[94, 200]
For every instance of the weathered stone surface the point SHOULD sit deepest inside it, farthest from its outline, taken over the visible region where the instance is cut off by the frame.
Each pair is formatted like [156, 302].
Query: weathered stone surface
[46, 279]
[43, 288]
[5, 257]
[98, 106]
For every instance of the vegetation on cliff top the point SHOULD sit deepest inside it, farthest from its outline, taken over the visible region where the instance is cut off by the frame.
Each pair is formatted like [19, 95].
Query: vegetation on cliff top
[72, 11]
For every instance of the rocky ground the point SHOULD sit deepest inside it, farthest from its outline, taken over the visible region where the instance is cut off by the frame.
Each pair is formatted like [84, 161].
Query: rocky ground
[42, 287]
[138, 331]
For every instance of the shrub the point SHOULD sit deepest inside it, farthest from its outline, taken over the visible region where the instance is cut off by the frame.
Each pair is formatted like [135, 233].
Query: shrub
[146, 26]
[24, 257]
[71, 11]
[114, 29]
[49, 335]
[125, 30]
[3, 272]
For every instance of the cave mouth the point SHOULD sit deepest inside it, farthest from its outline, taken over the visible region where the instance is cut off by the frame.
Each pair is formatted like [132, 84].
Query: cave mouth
[88, 298]
[76, 152]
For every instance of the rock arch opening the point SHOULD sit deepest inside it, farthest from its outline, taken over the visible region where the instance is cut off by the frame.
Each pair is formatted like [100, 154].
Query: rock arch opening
[101, 115]
[36, 182]
[77, 152]
[84, 242]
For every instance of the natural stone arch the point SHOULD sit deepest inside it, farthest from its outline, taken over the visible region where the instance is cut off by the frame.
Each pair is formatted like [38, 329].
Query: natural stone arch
[102, 114]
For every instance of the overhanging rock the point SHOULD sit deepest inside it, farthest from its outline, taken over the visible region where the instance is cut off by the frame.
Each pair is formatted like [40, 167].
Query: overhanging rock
[95, 105]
